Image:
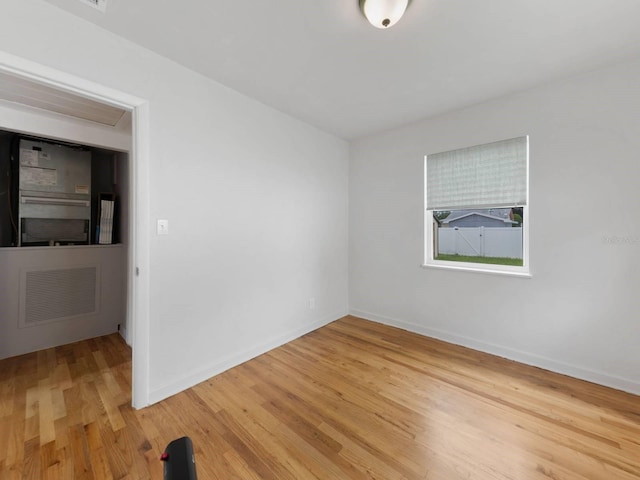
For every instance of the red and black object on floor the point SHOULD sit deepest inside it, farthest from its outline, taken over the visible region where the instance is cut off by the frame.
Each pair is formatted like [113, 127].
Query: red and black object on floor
[179, 461]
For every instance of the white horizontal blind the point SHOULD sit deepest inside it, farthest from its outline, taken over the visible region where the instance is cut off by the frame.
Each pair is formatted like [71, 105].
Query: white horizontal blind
[490, 175]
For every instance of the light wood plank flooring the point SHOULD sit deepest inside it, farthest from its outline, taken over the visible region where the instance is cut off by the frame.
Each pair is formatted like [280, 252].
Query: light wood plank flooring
[352, 400]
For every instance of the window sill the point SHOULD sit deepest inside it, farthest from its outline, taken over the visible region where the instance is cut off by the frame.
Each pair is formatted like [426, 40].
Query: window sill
[469, 268]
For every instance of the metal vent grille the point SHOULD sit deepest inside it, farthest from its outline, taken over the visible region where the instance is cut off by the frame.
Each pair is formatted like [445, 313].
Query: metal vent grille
[99, 4]
[57, 294]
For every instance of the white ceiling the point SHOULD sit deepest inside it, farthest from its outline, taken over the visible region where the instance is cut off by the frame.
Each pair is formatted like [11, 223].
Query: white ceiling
[320, 61]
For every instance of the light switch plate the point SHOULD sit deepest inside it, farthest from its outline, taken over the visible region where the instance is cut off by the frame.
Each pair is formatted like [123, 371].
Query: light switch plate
[163, 227]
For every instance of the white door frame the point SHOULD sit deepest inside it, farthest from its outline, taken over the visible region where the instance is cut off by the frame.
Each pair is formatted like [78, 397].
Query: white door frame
[138, 258]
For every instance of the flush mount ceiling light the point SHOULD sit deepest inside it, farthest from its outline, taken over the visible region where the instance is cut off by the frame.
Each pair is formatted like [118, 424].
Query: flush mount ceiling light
[383, 13]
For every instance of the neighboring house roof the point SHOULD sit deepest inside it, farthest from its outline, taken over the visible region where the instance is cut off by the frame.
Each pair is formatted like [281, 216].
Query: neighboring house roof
[494, 212]
[506, 221]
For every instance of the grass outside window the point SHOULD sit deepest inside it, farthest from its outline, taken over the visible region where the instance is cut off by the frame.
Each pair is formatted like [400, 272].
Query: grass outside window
[476, 259]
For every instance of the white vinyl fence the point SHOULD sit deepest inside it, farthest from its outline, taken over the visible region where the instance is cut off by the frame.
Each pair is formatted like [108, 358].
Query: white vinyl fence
[481, 241]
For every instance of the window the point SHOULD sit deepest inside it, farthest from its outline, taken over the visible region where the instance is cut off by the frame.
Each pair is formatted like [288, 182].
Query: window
[476, 202]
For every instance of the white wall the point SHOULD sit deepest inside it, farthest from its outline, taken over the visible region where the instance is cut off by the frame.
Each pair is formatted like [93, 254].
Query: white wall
[579, 313]
[257, 204]
[256, 201]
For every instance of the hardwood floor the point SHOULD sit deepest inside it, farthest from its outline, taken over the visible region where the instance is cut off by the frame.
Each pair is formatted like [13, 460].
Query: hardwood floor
[352, 400]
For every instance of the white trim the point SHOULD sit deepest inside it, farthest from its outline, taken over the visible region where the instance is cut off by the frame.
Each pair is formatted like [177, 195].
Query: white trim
[139, 224]
[581, 373]
[428, 222]
[477, 268]
[137, 314]
[48, 76]
[526, 221]
[231, 361]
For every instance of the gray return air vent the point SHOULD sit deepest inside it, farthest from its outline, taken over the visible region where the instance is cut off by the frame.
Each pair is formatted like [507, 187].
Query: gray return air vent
[50, 295]
[99, 4]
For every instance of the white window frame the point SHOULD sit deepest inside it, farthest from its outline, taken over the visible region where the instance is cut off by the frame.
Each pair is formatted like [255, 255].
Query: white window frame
[429, 254]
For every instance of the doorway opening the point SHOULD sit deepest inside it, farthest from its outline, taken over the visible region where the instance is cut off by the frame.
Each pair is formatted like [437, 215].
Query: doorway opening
[33, 116]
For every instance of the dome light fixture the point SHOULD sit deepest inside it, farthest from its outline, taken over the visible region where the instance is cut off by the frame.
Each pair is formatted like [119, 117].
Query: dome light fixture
[383, 13]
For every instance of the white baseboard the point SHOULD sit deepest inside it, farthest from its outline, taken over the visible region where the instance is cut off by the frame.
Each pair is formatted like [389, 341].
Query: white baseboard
[123, 333]
[231, 361]
[601, 378]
